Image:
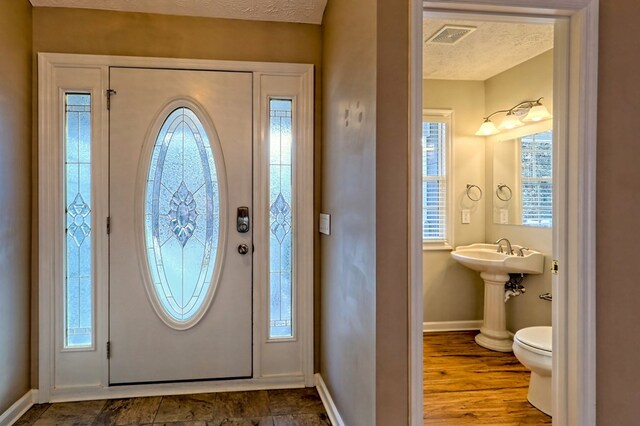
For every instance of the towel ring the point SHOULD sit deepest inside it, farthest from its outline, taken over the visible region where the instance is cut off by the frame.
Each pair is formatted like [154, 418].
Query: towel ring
[501, 190]
[469, 188]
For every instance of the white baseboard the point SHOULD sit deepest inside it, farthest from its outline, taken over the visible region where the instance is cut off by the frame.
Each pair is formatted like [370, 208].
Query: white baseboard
[431, 327]
[20, 407]
[332, 410]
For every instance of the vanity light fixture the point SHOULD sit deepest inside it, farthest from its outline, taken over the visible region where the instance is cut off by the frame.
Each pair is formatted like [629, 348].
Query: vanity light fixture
[533, 111]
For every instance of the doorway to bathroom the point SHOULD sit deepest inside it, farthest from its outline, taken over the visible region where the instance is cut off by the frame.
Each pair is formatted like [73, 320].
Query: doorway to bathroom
[496, 170]
[487, 175]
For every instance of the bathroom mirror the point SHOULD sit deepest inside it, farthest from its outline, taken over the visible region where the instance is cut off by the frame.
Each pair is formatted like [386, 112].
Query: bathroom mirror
[522, 190]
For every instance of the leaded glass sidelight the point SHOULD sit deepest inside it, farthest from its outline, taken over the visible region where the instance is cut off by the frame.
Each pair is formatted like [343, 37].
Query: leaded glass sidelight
[78, 290]
[280, 219]
[182, 216]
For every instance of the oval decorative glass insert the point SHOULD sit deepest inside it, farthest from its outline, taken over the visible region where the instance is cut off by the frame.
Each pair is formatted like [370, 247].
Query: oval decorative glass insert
[182, 222]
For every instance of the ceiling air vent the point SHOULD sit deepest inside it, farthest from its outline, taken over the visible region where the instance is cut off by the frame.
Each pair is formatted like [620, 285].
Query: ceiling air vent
[450, 34]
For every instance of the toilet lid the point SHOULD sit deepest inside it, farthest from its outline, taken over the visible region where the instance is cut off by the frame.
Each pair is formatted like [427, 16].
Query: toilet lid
[536, 337]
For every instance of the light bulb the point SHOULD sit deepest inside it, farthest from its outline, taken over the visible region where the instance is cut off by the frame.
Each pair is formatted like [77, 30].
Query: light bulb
[537, 113]
[487, 128]
[510, 122]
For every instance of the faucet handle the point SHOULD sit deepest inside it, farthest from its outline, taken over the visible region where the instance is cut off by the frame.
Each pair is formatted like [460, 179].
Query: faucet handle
[521, 251]
[500, 250]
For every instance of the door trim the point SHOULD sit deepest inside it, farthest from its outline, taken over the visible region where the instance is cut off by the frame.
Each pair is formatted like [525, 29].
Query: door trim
[574, 302]
[54, 70]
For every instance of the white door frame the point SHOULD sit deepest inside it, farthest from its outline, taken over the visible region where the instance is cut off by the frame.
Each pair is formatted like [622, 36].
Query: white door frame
[574, 341]
[269, 356]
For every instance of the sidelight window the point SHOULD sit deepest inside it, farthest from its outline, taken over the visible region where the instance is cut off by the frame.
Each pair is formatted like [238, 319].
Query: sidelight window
[281, 282]
[78, 283]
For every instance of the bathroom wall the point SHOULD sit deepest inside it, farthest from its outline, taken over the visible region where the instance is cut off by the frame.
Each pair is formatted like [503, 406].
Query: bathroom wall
[15, 200]
[529, 80]
[453, 292]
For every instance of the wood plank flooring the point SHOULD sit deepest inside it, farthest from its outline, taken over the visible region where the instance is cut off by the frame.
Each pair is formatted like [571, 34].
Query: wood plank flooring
[466, 384]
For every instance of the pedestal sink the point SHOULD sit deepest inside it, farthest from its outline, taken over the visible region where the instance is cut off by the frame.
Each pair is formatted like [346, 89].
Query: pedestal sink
[494, 268]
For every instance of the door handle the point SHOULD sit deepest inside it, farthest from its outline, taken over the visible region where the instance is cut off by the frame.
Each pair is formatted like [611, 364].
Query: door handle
[242, 221]
[243, 249]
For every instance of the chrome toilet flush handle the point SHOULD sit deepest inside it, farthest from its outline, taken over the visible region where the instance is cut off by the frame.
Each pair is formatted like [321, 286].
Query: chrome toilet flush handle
[546, 296]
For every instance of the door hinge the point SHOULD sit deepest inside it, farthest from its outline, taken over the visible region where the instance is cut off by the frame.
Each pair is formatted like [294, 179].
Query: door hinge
[108, 225]
[110, 92]
[108, 350]
[554, 267]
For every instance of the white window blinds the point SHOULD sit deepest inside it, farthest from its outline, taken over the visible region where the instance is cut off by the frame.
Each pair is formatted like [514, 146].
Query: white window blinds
[434, 179]
[536, 179]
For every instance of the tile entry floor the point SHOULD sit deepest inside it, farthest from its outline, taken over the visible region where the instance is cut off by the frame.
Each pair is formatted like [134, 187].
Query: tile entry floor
[287, 407]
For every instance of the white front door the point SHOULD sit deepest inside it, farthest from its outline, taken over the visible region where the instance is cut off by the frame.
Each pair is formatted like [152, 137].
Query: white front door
[180, 167]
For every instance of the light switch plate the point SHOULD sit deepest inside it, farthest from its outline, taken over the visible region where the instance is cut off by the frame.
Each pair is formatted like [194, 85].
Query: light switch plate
[324, 225]
[466, 216]
[504, 216]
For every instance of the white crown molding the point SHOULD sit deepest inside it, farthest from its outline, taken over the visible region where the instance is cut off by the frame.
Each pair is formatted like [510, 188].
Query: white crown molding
[298, 11]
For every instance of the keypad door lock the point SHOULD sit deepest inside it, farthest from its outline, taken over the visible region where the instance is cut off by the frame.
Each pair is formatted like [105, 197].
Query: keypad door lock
[242, 223]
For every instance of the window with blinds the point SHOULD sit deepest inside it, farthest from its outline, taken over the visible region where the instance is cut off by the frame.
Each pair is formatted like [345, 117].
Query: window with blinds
[435, 134]
[536, 179]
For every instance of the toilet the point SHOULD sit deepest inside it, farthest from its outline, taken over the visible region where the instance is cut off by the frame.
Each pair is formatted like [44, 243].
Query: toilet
[532, 347]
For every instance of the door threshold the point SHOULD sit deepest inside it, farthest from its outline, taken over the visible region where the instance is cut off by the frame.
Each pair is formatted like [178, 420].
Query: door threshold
[86, 393]
[163, 382]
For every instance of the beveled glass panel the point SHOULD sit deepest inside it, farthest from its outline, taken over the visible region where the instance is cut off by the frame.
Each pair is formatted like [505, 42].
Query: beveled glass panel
[182, 216]
[78, 292]
[280, 219]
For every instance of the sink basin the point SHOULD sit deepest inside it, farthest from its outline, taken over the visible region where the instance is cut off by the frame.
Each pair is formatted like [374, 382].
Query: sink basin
[485, 258]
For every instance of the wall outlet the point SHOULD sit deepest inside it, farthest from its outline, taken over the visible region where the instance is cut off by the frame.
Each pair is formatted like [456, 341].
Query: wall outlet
[466, 216]
[324, 224]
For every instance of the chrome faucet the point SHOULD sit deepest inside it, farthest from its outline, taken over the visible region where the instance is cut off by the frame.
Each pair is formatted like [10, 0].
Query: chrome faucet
[521, 251]
[500, 250]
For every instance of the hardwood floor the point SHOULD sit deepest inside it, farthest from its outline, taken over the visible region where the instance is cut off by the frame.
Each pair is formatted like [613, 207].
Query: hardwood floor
[466, 384]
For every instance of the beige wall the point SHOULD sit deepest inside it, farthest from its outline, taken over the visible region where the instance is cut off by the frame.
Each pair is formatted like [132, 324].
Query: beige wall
[618, 201]
[392, 212]
[451, 291]
[15, 199]
[348, 265]
[529, 80]
[365, 167]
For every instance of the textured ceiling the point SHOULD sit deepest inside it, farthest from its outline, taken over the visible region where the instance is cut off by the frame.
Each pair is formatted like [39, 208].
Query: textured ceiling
[493, 48]
[302, 11]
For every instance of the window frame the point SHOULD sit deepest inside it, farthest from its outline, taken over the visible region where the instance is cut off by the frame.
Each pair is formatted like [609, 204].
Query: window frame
[445, 116]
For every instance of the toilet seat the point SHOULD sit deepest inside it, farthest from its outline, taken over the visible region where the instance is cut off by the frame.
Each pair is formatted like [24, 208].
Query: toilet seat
[536, 339]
